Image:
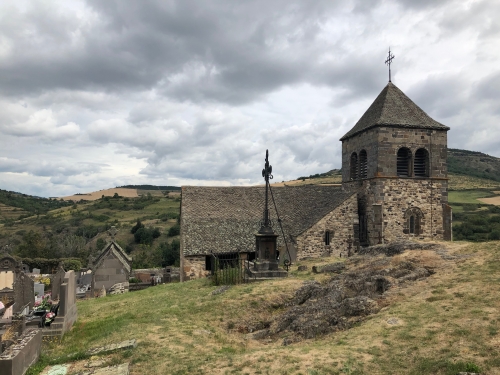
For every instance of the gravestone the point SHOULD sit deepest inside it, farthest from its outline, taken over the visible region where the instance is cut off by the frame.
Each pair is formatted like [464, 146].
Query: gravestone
[16, 286]
[39, 289]
[57, 280]
[24, 292]
[36, 271]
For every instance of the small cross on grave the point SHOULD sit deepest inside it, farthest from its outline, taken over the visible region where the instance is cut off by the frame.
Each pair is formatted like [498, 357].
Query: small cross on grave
[388, 61]
[112, 232]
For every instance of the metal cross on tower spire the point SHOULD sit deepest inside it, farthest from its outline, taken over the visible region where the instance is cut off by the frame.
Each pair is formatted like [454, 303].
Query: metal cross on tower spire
[388, 61]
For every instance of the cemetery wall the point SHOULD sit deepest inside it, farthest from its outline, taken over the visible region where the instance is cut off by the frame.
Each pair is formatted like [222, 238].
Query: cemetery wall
[339, 223]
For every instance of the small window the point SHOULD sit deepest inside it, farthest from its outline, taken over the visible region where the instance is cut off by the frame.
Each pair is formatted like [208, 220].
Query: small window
[354, 166]
[412, 224]
[421, 164]
[327, 238]
[363, 164]
[404, 162]
[414, 220]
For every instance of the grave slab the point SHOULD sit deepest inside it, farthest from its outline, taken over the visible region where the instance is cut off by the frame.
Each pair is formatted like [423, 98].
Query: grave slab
[127, 344]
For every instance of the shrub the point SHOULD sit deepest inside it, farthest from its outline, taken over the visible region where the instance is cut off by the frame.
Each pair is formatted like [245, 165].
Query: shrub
[174, 231]
[137, 226]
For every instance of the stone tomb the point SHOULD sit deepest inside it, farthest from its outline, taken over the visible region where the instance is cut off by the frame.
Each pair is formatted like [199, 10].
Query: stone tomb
[15, 285]
[67, 312]
[112, 266]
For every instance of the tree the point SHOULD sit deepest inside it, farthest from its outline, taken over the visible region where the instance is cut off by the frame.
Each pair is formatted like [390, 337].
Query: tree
[34, 245]
[100, 244]
[137, 226]
[170, 253]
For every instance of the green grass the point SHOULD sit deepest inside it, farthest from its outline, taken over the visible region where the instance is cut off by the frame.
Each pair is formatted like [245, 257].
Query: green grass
[449, 323]
[469, 196]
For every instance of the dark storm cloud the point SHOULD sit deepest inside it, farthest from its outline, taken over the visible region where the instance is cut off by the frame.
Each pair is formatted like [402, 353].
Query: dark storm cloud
[189, 50]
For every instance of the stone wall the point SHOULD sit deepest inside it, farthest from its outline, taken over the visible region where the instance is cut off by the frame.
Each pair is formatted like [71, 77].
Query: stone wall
[388, 199]
[383, 143]
[340, 223]
[193, 267]
[364, 141]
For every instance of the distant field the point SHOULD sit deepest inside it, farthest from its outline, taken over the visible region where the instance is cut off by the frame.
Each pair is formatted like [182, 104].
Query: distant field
[492, 200]
[469, 196]
[123, 192]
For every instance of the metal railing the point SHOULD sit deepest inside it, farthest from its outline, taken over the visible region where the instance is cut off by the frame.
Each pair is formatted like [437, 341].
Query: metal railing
[228, 269]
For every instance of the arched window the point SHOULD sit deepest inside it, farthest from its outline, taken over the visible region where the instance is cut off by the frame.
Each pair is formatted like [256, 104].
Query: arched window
[414, 221]
[421, 163]
[404, 162]
[412, 224]
[354, 166]
[363, 164]
[327, 238]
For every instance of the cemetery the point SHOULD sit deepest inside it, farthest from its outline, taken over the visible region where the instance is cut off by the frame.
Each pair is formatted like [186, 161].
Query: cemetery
[28, 315]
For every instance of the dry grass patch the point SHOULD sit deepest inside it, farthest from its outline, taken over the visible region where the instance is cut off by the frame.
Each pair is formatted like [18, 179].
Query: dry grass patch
[123, 192]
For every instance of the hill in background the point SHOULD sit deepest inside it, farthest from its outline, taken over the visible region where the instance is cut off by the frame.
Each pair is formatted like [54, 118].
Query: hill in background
[473, 163]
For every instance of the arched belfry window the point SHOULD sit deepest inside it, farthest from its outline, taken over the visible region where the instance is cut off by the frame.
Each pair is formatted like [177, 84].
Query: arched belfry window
[404, 162]
[414, 221]
[421, 163]
[363, 164]
[354, 166]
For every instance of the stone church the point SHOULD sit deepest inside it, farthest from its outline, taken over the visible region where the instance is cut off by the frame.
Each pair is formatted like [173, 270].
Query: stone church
[394, 186]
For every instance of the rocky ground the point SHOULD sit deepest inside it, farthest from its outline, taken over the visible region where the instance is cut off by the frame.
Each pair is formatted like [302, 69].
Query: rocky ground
[356, 289]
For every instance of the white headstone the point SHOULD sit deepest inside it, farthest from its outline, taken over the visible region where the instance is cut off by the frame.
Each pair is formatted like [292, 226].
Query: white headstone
[39, 289]
[36, 271]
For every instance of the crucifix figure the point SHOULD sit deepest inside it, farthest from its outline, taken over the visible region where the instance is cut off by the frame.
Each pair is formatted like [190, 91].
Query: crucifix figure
[112, 232]
[388, 61]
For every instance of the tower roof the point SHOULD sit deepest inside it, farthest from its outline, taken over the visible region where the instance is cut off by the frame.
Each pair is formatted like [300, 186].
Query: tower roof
[393, 108]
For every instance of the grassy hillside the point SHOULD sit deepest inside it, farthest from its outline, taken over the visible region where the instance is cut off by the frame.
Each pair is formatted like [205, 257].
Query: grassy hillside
[473, 163]
[443, 324]
[27, 204]
[79, 230]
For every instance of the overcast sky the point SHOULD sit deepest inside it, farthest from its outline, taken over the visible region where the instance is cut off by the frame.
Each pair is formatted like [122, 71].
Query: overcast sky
[96, 94]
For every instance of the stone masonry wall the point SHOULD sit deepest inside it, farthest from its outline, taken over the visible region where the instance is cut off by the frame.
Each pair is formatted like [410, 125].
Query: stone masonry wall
[340, 222]
[364, 141]
[383, 143]
[387, 200]
[193, 267]
[390, 140]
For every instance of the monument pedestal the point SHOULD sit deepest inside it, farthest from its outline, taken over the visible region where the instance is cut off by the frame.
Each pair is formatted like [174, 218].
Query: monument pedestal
[266, 269]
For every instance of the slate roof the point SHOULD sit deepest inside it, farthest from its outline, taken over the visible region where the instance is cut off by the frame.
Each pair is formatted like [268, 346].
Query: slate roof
[118, 252]
[225, 219]
[393, 108]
